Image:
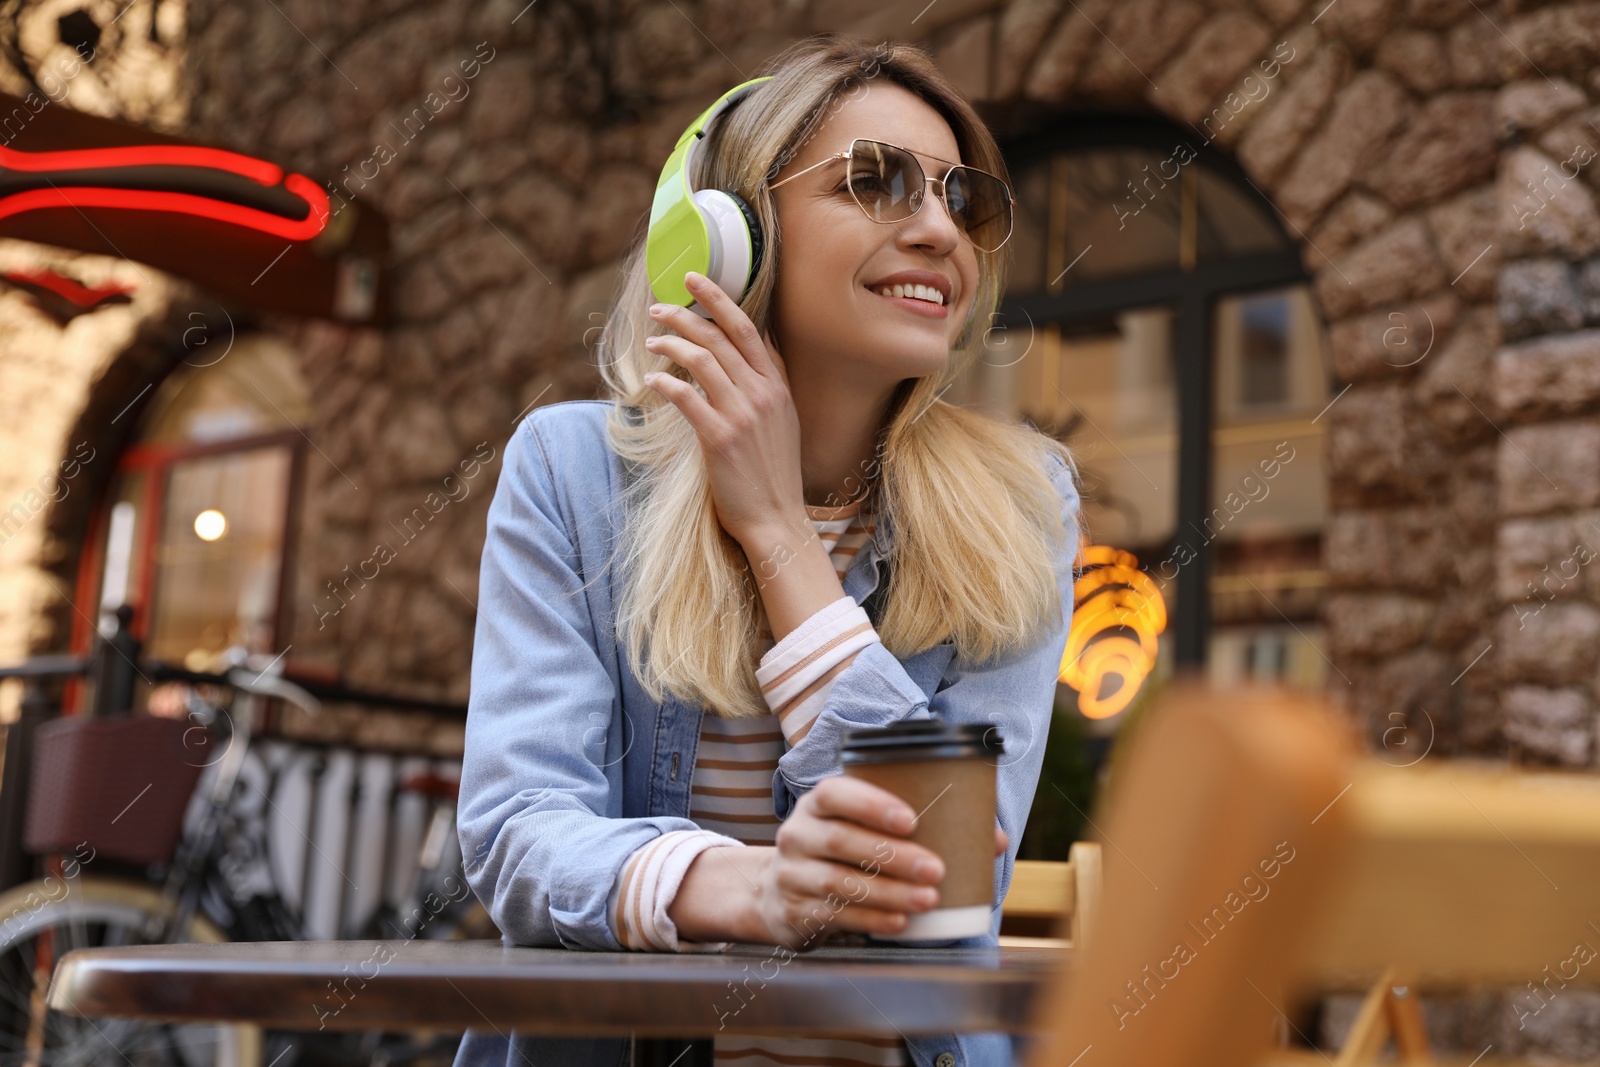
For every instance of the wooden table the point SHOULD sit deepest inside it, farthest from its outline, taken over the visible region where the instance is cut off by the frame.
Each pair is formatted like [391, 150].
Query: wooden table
[834, 990]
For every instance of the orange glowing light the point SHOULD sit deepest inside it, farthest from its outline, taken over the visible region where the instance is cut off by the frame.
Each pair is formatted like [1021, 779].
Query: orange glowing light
[1117, 615]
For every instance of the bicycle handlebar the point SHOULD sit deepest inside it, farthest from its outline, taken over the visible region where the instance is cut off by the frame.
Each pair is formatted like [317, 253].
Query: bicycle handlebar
[307, 689]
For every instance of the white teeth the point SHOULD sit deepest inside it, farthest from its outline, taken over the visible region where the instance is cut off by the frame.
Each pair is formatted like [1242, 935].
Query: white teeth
[915, 292]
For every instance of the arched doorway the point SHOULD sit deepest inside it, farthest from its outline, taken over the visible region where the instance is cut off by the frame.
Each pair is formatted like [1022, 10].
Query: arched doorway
[195, 532]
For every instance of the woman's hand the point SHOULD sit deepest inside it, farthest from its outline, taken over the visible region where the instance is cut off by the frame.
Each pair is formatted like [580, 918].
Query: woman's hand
[749, 431]
[841, 861]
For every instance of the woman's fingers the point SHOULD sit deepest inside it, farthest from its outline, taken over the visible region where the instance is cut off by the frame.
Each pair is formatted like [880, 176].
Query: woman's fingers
[695, 407]
[819, 896]
[860, 823]
[736, 325]
[700, 363]
[1001, 840]
[893, 867]
[721, 359]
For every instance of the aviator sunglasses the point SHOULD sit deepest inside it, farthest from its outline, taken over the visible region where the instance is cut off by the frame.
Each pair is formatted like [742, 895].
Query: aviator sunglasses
[889, 185]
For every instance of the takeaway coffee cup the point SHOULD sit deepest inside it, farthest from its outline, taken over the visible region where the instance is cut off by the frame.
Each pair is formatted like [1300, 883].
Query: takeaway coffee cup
[946, 773]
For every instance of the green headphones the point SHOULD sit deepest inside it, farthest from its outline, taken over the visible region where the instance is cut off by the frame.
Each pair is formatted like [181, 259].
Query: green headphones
[710, 231]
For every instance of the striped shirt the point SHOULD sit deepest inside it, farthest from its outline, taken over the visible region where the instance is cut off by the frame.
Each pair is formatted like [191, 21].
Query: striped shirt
[731, 797]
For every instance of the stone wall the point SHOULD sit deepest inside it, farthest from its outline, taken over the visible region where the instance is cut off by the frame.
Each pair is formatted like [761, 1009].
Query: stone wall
[1416, 153]
[1435, 160]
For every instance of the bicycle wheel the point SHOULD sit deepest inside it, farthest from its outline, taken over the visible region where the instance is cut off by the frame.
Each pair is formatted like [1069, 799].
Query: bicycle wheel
[39, 923]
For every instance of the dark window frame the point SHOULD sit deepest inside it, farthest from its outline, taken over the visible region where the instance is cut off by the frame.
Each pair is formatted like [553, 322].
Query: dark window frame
[1192, 294]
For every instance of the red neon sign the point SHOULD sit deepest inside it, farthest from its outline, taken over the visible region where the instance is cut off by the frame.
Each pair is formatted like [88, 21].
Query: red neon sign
[175, 200]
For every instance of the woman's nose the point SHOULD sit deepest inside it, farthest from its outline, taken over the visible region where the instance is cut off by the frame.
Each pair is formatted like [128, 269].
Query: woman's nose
[931, 224]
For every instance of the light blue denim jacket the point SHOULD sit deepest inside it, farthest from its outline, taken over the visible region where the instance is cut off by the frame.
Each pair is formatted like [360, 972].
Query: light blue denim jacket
[569, 766]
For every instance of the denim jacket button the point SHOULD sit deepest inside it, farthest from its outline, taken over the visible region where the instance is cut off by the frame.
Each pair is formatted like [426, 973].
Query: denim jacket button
[945, 1059]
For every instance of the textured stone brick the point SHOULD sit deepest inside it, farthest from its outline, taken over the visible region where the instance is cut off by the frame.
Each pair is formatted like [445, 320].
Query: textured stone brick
[1217, 55]
[1544, 211]
[1356, 551]
[541, 212]
[1377, 344]
[1538, 296]
[1139, 37]
[417, 442]
[1416, 57]
[1356, 216]
[1023, 27]
[1549, 466]
[964, 54]
[1530, 105]
[1367, 439]
[1464, 233]
[1375, 624]
[483, 258]
[1403, 702]
[1448, 146]
[1360, 24]
[1454, 377]
[1545, 559]
[1476, 49]
[1271, 141]
[619, 211]
[1280, 12]
[1552, 643]
[1397, 263]
[1062, 55]
[1560, 38]
[1366, 112]
[1548, 375]
[420, 292]
[1555, 725]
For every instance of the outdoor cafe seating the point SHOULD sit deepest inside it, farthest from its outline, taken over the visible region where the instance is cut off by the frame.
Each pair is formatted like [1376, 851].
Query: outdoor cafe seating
[1252, 857]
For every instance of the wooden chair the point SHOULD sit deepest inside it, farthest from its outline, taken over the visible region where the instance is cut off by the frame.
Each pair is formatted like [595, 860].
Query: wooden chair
[1460, 874]
[1052, 904]
[1221, 831]
[1393, 881]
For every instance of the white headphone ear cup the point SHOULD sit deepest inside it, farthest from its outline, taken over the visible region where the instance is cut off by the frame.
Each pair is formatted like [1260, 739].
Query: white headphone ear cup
[732, 250]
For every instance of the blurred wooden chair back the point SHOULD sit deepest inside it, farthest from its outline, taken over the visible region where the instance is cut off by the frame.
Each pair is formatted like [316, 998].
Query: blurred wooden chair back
[1253, 859]
[1222, 829]
[1052, 904]
[1460, 874]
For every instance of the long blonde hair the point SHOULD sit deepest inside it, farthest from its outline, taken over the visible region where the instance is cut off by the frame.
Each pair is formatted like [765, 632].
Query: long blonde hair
[976, 520]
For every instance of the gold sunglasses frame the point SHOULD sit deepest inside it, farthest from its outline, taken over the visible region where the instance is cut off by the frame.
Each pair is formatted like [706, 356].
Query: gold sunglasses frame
[849, 153]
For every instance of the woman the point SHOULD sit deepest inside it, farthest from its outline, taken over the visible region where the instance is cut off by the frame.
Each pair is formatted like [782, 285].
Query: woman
[671, 633]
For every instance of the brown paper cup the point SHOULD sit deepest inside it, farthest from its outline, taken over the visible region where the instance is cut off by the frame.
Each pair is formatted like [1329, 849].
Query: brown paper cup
[946, 773]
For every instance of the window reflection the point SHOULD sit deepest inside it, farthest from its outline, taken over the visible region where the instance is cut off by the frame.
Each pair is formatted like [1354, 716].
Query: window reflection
[1108, 389]
[1127, 251]
[1091, 215]
[217, 583]
[1269, 488]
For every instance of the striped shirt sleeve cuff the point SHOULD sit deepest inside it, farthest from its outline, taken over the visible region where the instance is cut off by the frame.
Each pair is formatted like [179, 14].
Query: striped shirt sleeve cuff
[646, 886]
[795, 673]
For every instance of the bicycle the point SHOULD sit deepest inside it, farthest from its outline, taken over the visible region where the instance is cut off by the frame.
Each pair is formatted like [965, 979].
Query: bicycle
[218, 887]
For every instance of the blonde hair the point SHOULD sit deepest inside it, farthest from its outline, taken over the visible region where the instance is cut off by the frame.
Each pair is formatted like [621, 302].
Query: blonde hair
[976, 519]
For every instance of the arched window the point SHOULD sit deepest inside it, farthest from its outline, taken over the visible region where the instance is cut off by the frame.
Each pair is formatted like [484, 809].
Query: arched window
[195, 532]
[1159, 321]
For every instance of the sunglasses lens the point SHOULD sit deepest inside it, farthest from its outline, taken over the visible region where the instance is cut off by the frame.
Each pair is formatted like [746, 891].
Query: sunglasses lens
[981, 205]
[886, 181]
[889, 185]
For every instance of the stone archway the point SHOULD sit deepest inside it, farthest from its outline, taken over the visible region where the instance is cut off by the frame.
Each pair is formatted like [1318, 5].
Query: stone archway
[1376, 142]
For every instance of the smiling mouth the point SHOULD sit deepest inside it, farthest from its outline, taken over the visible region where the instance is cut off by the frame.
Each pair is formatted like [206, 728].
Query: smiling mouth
[925, 293]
